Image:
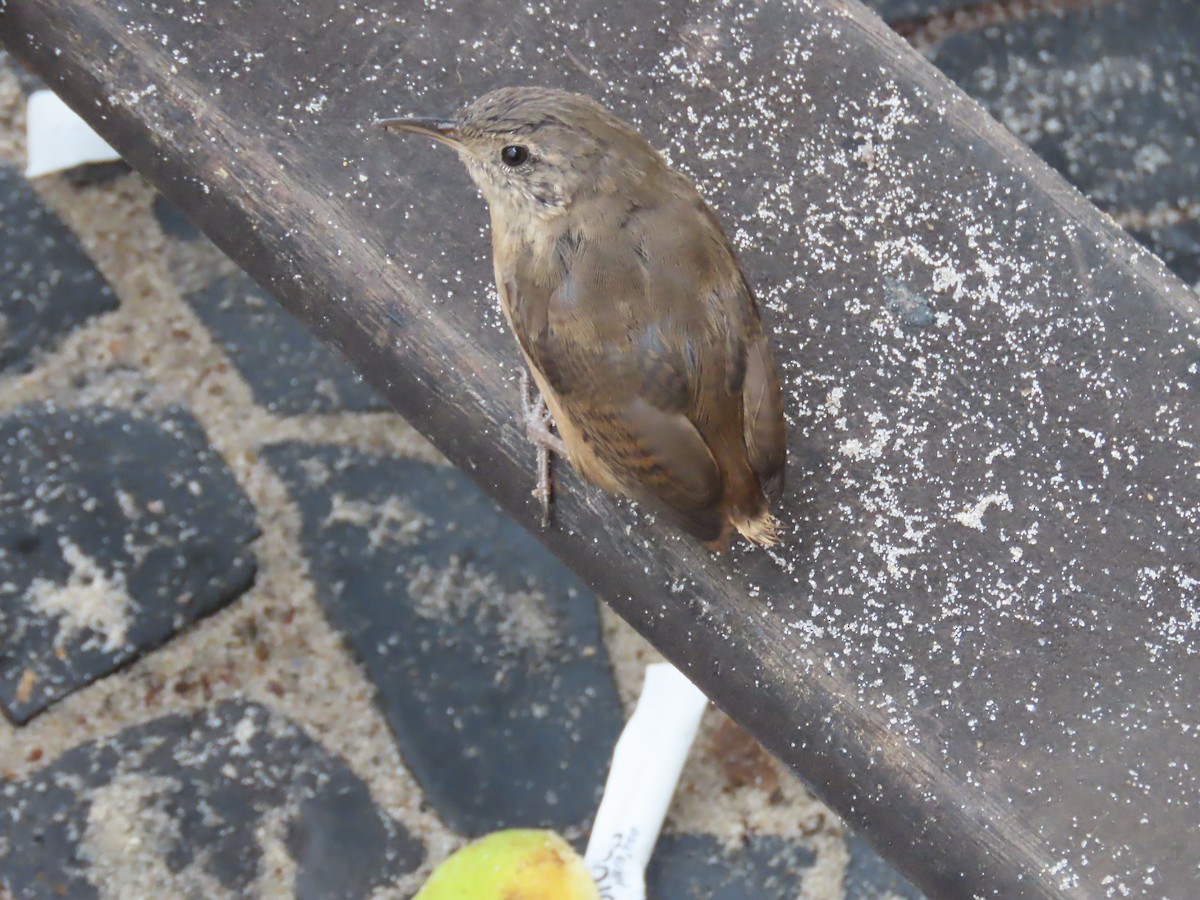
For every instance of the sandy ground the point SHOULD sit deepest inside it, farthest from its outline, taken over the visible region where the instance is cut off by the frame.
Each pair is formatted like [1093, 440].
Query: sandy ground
[154, 351]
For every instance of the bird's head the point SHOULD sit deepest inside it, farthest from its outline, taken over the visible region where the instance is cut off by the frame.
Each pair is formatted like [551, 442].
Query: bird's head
[535, 151]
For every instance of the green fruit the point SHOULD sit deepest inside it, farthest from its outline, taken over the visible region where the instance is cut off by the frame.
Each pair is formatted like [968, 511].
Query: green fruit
[519, 864]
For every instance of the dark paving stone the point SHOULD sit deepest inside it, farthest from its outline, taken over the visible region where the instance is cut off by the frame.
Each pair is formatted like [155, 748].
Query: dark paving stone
[193, 806]
[47, 283]
[172, 221]
[92, 174]
[115, 531]
[484, 650]
[902, 10]
[869, 877]
[289, 370]
[1178, 246]
[698, 867]
[1109, 96]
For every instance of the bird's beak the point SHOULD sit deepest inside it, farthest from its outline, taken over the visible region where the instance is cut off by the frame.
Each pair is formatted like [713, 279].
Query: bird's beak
[443, 130]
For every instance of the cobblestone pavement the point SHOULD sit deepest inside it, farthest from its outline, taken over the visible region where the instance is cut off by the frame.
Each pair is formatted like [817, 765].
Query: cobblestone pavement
[257, 639]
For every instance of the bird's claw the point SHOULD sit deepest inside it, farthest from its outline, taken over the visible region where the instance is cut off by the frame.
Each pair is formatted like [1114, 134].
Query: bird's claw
[537, 427]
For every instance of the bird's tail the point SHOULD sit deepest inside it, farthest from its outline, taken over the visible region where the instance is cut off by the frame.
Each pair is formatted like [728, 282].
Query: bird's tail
[763, 529]
[746, 507]
[749, 511]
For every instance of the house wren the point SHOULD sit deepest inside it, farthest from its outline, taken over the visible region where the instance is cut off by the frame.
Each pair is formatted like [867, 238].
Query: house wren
[630, 308]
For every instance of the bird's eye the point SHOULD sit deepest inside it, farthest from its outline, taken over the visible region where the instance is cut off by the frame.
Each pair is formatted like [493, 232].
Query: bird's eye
[514, 155]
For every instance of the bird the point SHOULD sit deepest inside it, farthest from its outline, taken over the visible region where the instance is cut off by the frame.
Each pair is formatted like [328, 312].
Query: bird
[631, 310]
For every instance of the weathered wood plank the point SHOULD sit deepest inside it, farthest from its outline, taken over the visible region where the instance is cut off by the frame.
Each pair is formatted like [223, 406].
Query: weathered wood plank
[978, 641]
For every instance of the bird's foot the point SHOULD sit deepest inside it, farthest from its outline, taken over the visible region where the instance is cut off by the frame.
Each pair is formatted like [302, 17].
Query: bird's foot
[537, 427]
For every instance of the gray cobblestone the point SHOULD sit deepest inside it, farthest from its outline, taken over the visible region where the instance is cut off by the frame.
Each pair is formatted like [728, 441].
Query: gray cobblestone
[47, 283]
[102, 555]
[228, 802]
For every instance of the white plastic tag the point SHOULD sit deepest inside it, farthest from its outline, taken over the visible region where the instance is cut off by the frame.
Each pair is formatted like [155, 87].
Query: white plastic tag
[646, 765]
[57, 139]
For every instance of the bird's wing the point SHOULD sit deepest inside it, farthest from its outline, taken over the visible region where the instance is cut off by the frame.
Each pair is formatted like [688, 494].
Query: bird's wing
[762, 399]
[627, 387]
[751, 371]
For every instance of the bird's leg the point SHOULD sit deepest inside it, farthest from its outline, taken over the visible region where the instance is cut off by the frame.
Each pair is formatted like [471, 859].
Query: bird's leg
[538, 420]
[537, 427]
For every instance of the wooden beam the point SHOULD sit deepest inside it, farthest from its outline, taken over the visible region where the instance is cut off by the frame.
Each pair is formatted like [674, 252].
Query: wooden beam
[977, 641]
